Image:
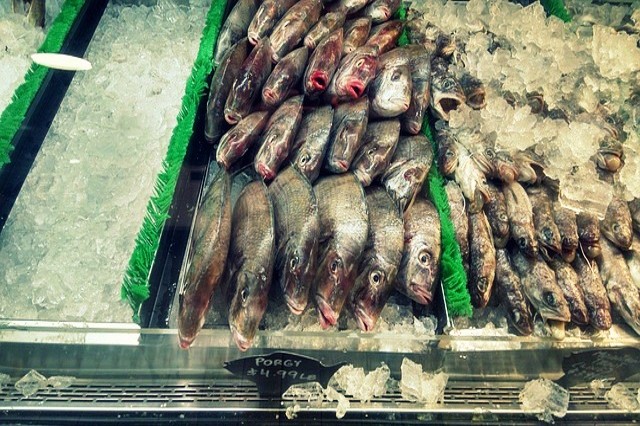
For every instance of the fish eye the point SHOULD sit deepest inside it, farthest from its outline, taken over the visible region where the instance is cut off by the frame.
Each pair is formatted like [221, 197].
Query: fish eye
[503, 217]
[335, 265]
[424, 257]
[550, 298]
[515, 317]
[616, 227]
[376, 277]
[371, 151]
[448, 84]
[395, 76]
[548, 234]
[522, 242]
[244, 295]
[360, 63]
[304, 159]
[448, 153]
[293, 262]
[490, 153]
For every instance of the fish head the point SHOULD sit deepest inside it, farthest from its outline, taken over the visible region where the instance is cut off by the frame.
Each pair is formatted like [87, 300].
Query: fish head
[421, 273]
[547, 296]
[307, 160]
[392, 91]
[601, 318]
[504, 167]
[191, 317]
[269, 158]
[332, 287]
[521, 321]
[447, 158]
[528, 246]
[299, 265]
[355, 73]
[371, 291]
[447, 95]
[474, 91]
[610, 155]
[247, 307]
[628, 305]
[617, 225]
[550, 239]
[344, 147]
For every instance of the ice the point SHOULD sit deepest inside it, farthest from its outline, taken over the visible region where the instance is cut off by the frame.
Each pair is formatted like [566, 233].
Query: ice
[598, 387]
[60, 382]
[4, 378]
[343, 402]
[622, 398]
[545, 398]
[310, 393]
[31, 383]
[420, 387]
[616, 54]
[576, 195]
[291, 411]
[364, 387]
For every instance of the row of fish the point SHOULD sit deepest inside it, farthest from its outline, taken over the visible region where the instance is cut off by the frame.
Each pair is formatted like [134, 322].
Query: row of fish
[334, 243]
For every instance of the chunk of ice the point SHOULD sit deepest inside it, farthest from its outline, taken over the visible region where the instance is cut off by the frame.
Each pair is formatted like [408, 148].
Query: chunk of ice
[31, 383]
[292, 411]
[60, 382]
[598, 387]
[544, 398]
[310, 393]
[4, 378]
[364, 387]
[622, 398]
[417, 386]
[616, 54]
[343, 402]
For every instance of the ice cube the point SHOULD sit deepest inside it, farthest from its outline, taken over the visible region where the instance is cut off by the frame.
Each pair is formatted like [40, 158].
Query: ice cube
[598, 387]
[417, 386]
[343, 402]
[350, 379]
[31, 383]
[544, 398]
[362, 386]
[622, 398]
[615, 54]
[4, 378]
[311, 393]
[60, 382]
[291, 411]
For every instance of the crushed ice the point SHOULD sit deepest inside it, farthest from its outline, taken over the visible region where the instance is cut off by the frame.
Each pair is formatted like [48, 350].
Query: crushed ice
[33, 381]
[421, 387]
[622, 398]
[544, 398]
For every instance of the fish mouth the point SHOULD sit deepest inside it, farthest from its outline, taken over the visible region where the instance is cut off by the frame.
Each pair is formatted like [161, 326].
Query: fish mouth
[241, 342]
[617, 240]
[355, 89]
[569, 255]
[477, 100]
[269, 97]
[232, 117]
[319, 80]
[327, 316]
[365, 322]
[363, 177]
[592, 250]
[339, 166]
[295, 307]
[579, 317]
[412, 127]
[253, 38]
[420, 294]
[444, 104]
[385, 13]
[507, 173]
[185, 342]
[601, 319]
[265, 171]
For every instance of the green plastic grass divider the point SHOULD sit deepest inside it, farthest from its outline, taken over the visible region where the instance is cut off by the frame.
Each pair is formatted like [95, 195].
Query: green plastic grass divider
[557, 9]
[135, 285]
[14, 113]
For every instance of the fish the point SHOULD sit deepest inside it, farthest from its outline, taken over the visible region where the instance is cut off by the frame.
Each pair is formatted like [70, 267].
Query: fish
[378, 145]
[250, 262]
[246, 88]
[240, 138]
[422, 32]
[390, 92]
[520, 213]
[471, 179]
[595, 294]
[267, 16]
[310, 144]
[284, 77]
[420, 67]
[344, 227]
[355, 71]
[541, 288]
[408, 169]
[474, 92]
[504, 167]
[384, 37]
[530, 168]
[402, 55]
[447, 153]
[293, 26]
[234, 28]
[459, 219]
[633, 262]
[223, 78]
[297, 227]
[381, 10]
[349, 7]
[446, 92]
[323, 64]
[565, 220]
[380, 260]
[356, 33]
[567, 279]
[420, 265]
[482, 259]
[496, 211]
[617, 224]
[589, 234]
[621, 289]
[209, 246]
[547, 231]
[511, 294]
[277, 138]
[328, 23]
[347, 131]
[634, 209]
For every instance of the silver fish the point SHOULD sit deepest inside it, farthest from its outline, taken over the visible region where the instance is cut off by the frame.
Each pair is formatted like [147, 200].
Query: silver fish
[234, 28]
[390, 92]
[378, 145]
[310, 144]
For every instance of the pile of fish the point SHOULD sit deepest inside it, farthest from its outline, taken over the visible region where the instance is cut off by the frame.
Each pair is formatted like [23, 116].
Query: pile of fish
[319, 103]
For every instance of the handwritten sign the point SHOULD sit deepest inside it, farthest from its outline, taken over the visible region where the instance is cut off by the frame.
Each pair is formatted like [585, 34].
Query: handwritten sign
[275, 372]
[602, 364]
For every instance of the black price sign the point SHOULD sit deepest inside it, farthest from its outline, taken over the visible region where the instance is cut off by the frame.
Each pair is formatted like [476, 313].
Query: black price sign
[600, 364]
[275, 372]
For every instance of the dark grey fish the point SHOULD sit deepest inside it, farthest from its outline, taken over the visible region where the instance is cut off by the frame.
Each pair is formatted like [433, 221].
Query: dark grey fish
[595, 294]
[284, 77]
[413, 118]
[384, 37]
[344, 227]
[402, 55]
[511, 294]
[310, 144]
[250, 262]
[356, 33]
[240, 138]
[323, 64]
[408, 169]
[267, 16]
[474, 92]
[567, 279]
[446, 92]
[520, 215]
[422, 32]
[380, 261]
[589, 234]
[378, 145]
[234, 28]
[293, 26]
[329, 23]
[347, 131]
[565, 219]
[617, 225]
[297, 232]
[459, 219]
[547, 231]
[496, 211]
[390, 92]
[420, 265]
[482, 259]
[356, 70]
[634, 209]
[209, 246]
[448, 156]
[381, 10]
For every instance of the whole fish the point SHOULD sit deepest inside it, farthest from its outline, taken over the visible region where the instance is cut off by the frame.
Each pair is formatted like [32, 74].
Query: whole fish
[496, 211]
[356, 33]
[356, 70]
[408, 169]
[617, 225]
[344, 227]
[284, 77]
[329, 23]
[277, 137]
[540, 287]
[381, 10]
[402, 55]
[323, 64]
[621, 290]
[595, 294]
[474, 91]
[384, 37]
[420, 265]
[267, 16]
[234, 28]
[237, 141]
[310, 144]
[378, 145]
[390, 92]
[347, 131]
[482, 259]
[471, 179]
[209, 246]
[293, 26]
[223, 78]
[460, 220]
[634, 209]
[589, 234]
[420, 66]
[565, 220]
[511, 294]
[297, 230]
[380, 261]
[567, 279]
[446, 92]
[547, 231]
[520, 215]
[250, 262]
[246, 88]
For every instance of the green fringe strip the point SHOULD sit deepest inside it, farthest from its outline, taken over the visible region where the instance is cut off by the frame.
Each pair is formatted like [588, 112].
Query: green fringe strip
[14, 113]
[557, 9]
[135, 286]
